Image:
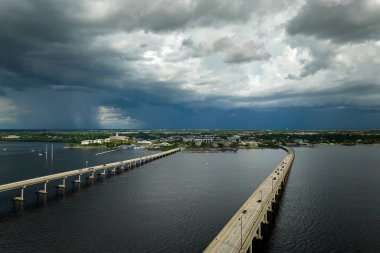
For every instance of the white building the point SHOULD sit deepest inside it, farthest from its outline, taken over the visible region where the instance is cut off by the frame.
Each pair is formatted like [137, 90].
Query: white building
[144, 143]
[204, 140]
[86, 142]
[118, 138]
[11, 137]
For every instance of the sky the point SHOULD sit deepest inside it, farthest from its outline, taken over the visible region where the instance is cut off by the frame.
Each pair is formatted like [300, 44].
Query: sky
[163, 64]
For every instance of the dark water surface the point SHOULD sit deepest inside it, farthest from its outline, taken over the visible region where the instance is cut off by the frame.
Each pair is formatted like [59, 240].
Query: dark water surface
[331, 202]
[175, 204]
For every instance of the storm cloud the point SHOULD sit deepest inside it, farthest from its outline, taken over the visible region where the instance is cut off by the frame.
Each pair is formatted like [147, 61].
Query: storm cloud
[155, 64]
[339, 21]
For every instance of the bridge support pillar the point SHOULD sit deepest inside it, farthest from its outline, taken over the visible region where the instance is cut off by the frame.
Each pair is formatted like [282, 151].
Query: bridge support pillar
[44, 190]
[18, 202]
[258, 233]
[77, 181]
[42, 195]
[270, 209]
[90, 179]
[265, 221]
[61, 187]
[102, 174]
[21, 198]
[250, 248]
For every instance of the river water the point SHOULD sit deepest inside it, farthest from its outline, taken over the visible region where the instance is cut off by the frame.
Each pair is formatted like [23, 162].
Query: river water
[174, 204]
[331, 202]
[179, 203]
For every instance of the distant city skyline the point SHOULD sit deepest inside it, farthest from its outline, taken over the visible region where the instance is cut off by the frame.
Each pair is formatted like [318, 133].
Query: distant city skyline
[214, 64]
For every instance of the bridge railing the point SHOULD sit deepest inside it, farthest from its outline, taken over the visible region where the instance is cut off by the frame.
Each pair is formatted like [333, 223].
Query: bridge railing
[252, 211]
[92, 169]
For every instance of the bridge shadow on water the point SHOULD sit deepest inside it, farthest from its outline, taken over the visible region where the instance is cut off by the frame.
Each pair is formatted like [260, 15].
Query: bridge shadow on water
[35, 202]
[267, 230]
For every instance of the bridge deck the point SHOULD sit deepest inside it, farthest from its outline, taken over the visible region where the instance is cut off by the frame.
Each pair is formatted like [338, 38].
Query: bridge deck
[43, 179]
[238, 233]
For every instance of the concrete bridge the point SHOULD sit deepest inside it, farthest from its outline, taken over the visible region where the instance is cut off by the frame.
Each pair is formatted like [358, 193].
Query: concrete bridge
[245, 225]
[89, 172]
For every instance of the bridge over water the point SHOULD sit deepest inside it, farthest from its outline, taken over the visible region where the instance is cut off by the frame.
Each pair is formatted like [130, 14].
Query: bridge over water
[245, 226]
[237, 235]
[89, 172]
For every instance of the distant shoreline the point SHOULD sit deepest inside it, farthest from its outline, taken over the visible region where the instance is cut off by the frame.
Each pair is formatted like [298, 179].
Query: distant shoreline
[83, 147]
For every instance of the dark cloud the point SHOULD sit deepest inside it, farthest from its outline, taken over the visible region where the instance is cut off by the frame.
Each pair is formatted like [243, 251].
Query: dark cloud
[67, 64]
[51, 44]
[42, 108]
[293, 77]
[321, 59]
[338, 21]
[321, 55]
[167, 15]
[41, 45]
[343, 93]
[292, 118]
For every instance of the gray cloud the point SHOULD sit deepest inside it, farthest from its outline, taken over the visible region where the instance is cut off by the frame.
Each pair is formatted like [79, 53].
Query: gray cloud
[233, 49]
[321, 52]
[52, 43]
[240, 52]
[41, 45]
[74, 63]
[166, 15]
[342, 93]
[338, 21]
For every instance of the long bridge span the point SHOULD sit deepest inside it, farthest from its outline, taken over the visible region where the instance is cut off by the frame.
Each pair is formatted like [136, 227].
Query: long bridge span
[237, 235]
[101, 170]
[245, 226]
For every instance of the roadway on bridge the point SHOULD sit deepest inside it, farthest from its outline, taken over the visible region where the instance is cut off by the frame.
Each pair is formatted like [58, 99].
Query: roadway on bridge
[93, 169]
[235, 236]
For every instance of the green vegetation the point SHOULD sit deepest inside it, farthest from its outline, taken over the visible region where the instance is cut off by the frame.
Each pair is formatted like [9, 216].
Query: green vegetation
[195, 140]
